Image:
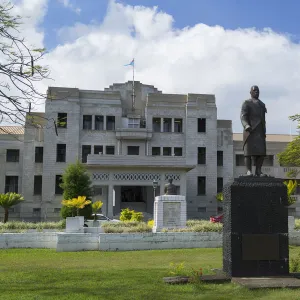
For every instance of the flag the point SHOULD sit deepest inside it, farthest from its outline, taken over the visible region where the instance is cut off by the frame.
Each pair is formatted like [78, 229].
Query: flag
[131, 63]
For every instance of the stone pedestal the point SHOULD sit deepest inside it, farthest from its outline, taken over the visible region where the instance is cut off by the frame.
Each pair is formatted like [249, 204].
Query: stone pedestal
[169, 212]
[75, 224]
[255, 229]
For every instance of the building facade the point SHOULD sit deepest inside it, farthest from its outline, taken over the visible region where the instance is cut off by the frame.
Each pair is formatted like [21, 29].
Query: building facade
[126, 143]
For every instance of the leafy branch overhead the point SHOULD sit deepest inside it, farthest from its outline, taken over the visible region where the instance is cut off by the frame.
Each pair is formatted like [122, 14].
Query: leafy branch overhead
[19, 68]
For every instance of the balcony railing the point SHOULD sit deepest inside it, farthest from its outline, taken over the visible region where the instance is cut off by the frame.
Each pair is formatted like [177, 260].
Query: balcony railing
[133, 134]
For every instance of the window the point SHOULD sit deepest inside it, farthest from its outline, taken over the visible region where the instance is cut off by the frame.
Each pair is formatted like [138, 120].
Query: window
[201, 155]
[39, 153]
[37, 190]
[134, 123]
[36, 211]
[155, 151]
[201, 209]
[61, 152]
[167, 125]
[62, 120]
[110, 150]
[11, 184]
[99, 123]
[167, 151]
[269, 161]
[177, 151]
[57, 210]
[156, 124]
[86, 150]
[58, 181]
[201, 125]
[110, 123]
[219, 158]
[133, 150]
[98, 149]
[12, 155]
[177, 125]
[87, 122]
[201, 185]
[239, 160]
[219, 184]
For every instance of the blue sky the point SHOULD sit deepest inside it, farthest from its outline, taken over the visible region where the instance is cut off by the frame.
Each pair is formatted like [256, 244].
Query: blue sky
[280, 16]
[218, 47]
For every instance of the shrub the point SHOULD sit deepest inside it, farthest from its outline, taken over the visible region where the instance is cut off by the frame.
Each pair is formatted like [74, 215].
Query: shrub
[297, 224]
[295, 264]
[76, 203]
[137, 216]
[150, 223]
[23, 226]
[126, 214]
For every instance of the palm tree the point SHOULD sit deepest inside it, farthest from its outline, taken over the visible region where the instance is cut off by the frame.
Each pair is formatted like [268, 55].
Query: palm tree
[8, 200]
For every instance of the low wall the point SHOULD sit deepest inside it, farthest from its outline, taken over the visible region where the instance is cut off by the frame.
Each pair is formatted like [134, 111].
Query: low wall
[161, 240]
[28, 240]
[118, 241]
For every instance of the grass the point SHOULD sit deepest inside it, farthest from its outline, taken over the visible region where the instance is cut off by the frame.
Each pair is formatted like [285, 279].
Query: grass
[18, 226]
[45, 274]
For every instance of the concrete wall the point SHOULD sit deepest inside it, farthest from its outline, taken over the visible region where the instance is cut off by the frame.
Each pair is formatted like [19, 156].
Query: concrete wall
[28, 240]
[118, 242]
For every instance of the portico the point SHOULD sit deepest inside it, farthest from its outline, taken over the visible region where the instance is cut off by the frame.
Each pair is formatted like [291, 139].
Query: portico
[120, 185]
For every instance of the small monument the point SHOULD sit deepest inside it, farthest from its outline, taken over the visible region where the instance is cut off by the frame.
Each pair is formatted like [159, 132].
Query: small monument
[169, 209]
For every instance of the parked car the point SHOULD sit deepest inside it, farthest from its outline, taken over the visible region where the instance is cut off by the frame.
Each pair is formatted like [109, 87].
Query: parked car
[101, 218]
[217, 219]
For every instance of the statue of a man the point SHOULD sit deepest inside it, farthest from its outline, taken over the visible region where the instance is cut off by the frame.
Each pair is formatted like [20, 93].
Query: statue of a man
[170, 188]
[254, 135]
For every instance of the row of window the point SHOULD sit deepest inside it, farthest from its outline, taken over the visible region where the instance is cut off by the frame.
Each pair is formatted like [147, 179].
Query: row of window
[202, 156]
[201, 185]
[109, 122]
[87, 122]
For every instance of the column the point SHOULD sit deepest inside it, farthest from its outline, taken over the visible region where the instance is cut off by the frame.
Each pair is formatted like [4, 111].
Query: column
[162, 184]
[104, 122]
[93, 122]
[161, 124]
[110, 200]
[172, 125]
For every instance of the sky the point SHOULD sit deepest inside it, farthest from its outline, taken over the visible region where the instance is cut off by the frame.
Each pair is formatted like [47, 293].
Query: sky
[220, 47]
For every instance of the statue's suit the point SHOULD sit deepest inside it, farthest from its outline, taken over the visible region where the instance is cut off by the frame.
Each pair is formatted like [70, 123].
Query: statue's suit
[253, 115]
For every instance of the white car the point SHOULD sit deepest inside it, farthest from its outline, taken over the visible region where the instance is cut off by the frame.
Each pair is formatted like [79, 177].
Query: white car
[101, 218]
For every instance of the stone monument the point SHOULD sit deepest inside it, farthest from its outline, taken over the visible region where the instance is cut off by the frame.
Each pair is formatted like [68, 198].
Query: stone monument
[169, 209]
[255, 230]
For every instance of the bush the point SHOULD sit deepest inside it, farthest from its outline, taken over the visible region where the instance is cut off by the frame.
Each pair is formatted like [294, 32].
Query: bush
[69, 212]
[131, 215]
[137, 216]
[23, 226]
[295, 264]
[125, 227]
[126, 214]
[150, 223]
[297, 224]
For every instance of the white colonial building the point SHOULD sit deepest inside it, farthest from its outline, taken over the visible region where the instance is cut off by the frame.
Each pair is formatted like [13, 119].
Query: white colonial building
[126, 145]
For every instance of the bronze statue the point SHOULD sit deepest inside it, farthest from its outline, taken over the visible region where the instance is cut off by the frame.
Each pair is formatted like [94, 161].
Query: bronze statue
[254, 135]
[170, 188]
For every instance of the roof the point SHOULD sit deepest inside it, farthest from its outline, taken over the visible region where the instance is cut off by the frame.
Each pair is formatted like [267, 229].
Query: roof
[17, 130]
[281, 138]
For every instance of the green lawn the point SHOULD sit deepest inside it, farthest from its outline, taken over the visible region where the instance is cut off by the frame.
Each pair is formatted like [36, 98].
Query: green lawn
[44, 274]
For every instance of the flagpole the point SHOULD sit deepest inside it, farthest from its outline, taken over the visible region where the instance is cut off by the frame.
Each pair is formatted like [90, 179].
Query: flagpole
[133, 95]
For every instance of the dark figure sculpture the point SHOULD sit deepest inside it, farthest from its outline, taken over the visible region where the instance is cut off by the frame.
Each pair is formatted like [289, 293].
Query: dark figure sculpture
[254, 135]
[170, 188]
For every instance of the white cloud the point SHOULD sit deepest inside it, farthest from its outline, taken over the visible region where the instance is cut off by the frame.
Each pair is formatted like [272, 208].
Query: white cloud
[198, 59]
[68, 4]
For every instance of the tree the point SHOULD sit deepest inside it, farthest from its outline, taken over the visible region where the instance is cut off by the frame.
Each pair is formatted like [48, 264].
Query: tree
[19, 69]
[290, 157]
[76, 181]
[8, 200]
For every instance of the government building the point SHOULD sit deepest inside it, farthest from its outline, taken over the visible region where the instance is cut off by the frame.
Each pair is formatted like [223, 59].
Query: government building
[130, 141]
